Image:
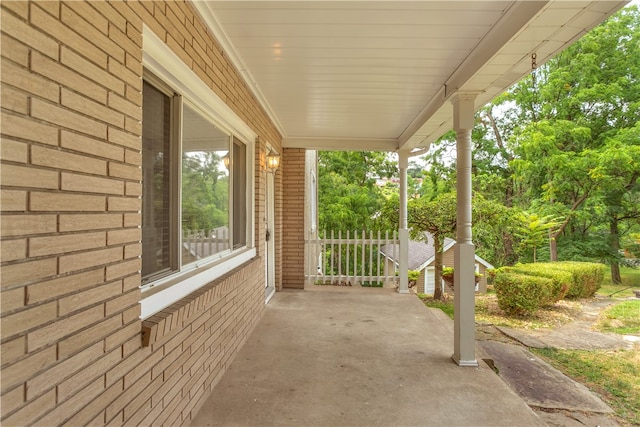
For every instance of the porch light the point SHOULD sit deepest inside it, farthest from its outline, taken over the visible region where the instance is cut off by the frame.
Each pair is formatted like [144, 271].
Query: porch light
[273, 162]
[226, 160]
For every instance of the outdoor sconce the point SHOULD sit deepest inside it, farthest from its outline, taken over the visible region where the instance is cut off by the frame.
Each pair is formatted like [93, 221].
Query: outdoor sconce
[273, 162]
[226, 160]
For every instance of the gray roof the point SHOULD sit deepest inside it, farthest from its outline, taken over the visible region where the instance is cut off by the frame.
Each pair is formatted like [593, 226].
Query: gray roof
[419, 252]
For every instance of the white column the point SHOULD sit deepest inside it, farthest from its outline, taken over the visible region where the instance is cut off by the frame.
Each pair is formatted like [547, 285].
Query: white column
[464, 253]
[403, 233]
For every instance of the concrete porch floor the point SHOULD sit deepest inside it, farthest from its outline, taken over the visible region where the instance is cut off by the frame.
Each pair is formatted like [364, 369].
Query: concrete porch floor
[350, 356]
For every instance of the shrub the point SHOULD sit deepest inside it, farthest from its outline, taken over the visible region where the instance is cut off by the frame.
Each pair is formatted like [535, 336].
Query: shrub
[562, 279]
[587, 277]
[519, 294]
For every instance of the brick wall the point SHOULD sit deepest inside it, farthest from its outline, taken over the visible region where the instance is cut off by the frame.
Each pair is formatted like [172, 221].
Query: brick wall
[293, 177]
[71, 349]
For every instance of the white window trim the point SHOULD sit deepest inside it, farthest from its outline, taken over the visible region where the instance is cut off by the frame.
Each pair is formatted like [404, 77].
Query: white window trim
[158, 58]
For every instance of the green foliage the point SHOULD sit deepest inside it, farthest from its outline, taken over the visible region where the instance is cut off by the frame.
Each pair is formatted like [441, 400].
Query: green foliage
[519, 294]
[348, 198]
[437, 217]
[533, 230]
[587, 277]
[205, 192]
[493, 227]
[414, 275]
[561, 280]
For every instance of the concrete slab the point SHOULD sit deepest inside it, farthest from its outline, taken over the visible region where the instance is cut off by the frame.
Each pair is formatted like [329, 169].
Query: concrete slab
[540, 384]
[345, 356]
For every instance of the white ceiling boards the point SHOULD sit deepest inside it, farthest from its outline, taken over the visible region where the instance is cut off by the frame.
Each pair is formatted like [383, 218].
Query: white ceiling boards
[378, 74]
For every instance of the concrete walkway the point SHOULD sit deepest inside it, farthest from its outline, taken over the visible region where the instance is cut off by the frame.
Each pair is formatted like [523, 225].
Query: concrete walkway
[347, 356]
[575, 335]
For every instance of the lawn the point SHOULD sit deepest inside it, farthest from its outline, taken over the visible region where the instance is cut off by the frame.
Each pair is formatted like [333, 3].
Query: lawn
[614, 375]
[622, 318]
[630, 281]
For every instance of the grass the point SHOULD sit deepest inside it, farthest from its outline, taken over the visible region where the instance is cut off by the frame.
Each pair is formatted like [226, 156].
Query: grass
[372, 284]
[614, 375]
[630, 278]
[622, 318]
[445, 305]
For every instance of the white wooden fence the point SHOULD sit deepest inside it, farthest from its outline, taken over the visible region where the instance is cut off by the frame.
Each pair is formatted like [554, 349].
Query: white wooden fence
[351, 259]
[199, 244]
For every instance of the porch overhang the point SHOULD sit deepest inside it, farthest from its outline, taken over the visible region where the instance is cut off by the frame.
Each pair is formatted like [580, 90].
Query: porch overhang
[353, 75]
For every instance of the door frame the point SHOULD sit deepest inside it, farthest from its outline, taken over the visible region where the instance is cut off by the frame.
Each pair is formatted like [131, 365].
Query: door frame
[270, 247]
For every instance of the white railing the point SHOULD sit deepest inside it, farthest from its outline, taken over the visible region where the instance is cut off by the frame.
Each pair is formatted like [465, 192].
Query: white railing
[351, 259]
[199, 244]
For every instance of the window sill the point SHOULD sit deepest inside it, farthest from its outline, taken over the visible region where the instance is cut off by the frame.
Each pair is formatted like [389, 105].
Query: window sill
[157, 298]
[173, 318]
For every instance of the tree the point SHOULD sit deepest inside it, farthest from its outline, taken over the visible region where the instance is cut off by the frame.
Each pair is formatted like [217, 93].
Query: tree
[437, 217]
[533, 230]
[570, 119]
[617, 174]
[348, 197]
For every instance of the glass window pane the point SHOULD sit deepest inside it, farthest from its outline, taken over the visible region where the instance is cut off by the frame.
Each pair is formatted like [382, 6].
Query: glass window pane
[239, 170]
[205, 188]
[156, 120]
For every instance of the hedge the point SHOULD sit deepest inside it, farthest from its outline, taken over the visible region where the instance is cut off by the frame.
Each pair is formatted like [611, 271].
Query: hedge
[521, 293]
[562, 279]
[587, 277]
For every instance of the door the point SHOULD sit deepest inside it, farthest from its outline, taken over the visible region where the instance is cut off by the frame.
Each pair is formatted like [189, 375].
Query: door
[270, 249]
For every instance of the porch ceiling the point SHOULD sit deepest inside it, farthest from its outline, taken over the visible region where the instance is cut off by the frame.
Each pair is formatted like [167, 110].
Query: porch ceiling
[377, 75]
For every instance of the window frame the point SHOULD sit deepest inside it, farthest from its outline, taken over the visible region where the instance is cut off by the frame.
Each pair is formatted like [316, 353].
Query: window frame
[164, 69]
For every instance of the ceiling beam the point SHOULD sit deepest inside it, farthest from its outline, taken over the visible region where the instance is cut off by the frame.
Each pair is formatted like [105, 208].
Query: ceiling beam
[338, 144]
[513, 20]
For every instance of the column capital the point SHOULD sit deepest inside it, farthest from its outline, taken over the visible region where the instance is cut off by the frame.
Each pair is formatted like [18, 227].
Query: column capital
[463, 110]
[464, 96]
[403, 159]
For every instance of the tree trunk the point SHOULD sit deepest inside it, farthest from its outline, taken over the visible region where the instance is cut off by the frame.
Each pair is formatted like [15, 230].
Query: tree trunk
[507, 238]
[437, 285]
[554, 234]
[553, 247]
[614, 241]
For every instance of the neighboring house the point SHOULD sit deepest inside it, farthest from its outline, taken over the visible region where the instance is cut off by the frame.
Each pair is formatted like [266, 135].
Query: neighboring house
[422, 256]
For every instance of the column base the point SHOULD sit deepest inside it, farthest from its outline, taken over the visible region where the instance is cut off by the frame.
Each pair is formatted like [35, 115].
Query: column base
[404, 291]
[470, 363]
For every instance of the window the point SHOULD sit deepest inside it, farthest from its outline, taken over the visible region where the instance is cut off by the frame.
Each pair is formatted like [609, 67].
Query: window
[194, 185]
[156, 201]
[198, 211]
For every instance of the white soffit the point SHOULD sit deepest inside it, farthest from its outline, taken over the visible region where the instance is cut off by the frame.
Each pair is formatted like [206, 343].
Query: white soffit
[377, 75]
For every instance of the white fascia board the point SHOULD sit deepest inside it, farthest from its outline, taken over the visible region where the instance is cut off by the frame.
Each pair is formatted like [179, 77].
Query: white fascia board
[368, 144]
[483, 262]
[509, 25]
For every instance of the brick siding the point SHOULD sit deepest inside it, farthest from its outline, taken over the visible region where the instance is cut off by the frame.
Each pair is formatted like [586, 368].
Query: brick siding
[293, 172]
[72, 350]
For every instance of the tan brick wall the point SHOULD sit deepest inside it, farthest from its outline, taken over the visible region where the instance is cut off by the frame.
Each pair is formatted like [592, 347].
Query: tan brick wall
[71, 350]
[293, 176]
